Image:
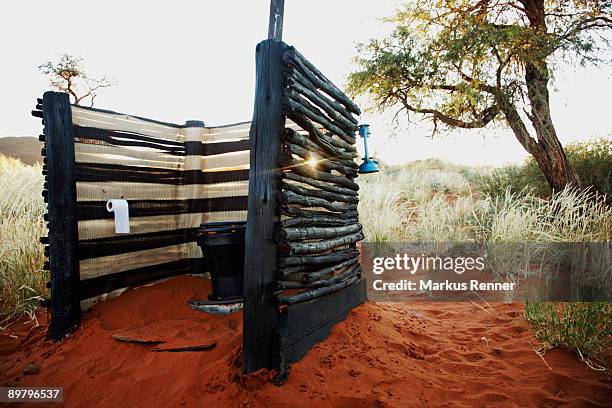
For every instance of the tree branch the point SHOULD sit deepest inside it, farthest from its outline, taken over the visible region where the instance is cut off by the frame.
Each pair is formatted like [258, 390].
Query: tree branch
[519, 129]
[483, 118]
[586, 24]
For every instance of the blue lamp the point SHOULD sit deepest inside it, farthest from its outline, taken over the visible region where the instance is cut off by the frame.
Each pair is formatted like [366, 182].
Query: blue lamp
[368, 165]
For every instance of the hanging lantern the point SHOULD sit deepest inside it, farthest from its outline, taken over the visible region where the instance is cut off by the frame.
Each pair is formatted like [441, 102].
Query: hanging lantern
[368, 165]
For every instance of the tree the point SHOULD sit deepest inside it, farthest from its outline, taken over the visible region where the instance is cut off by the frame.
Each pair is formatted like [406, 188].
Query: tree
[467, 63]
[67, 74]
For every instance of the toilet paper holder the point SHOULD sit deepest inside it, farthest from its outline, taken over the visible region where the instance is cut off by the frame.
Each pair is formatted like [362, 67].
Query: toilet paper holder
[121, 210]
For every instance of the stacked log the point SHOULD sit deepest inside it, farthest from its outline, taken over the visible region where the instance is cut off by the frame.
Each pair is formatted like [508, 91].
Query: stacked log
[38, 113]
[318, 196]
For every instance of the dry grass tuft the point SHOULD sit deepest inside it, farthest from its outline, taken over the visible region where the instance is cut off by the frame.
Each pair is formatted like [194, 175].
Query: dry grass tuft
[22, 280]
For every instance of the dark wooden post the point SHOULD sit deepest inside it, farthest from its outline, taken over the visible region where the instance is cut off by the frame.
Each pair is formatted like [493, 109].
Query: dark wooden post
[260, 307]
[275, 23]
[62, 204]
[193, 151]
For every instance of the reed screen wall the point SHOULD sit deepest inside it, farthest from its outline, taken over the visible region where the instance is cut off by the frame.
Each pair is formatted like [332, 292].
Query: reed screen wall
[174, 177]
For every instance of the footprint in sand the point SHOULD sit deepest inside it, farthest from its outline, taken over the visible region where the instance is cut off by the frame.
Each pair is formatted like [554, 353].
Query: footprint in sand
[472, 357]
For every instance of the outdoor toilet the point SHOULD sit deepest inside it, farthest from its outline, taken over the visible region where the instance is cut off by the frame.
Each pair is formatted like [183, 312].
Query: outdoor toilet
[223, 246]
[190, 190]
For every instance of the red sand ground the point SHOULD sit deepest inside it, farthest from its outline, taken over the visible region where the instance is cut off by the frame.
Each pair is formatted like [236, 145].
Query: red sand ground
[383, 355]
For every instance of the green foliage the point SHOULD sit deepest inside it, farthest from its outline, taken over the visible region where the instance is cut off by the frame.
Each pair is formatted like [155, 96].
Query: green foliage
[459, 61]
[591, 159]
[469, 63]
[583, 327]
[525, 179]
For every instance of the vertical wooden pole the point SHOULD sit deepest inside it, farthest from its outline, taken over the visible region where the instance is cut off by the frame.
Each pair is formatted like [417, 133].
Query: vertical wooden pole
[260, 307]
[62, 204]
[275, 23]
[193, 160]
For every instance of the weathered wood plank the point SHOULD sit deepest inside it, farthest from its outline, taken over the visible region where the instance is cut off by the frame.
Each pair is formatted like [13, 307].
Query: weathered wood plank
[275, 21]
[325, 195]
[292, 270]
[289, 197]
[293, 211]
[301, 84]
[320, 274]
[311, 276]
[318, 79]
[287, 175]
[63, 227]
[307, 248]
[300, 284]
[317, 104]
[315, 222]
[293, 137]
[295, 104]
[303, 169]
[314, 293]
[302, 325]
[333, 146]
[304, 233]
[320, 116]
[337, 256]
[260, 307]
[320, 163]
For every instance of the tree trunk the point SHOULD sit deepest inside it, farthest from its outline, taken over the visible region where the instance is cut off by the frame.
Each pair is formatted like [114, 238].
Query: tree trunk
[547, 150]
[556, 168]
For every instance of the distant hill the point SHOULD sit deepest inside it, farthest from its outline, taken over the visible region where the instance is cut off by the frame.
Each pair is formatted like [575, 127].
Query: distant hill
[27, 149]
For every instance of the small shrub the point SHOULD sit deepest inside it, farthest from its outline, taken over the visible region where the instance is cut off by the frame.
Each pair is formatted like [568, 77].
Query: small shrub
[583, 327]
[592, 160]
[522, 180]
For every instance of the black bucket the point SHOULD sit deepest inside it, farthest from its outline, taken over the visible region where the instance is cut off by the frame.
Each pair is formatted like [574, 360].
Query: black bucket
[222, 244]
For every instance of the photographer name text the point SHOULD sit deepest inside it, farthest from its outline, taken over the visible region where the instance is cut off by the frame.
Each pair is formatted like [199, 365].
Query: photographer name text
[430, 285]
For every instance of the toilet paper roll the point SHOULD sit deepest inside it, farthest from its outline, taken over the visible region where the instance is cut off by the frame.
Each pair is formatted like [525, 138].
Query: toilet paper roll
[122, 215]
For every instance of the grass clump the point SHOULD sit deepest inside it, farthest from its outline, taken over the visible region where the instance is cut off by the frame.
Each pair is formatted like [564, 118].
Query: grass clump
[432, 202]
[414, 204]
[22, 279]
[585, 328]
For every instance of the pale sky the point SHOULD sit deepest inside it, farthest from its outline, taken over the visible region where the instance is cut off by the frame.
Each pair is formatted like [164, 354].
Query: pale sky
[180, 60]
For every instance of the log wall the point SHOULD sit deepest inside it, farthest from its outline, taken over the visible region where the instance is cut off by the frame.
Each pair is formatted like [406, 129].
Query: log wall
[319, 277]
[303, 275]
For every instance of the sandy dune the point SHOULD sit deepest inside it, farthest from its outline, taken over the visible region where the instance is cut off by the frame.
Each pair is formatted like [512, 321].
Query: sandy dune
[384, 355]
[27, 149]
